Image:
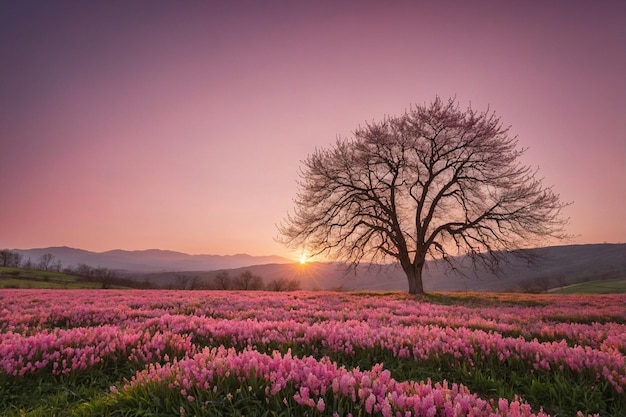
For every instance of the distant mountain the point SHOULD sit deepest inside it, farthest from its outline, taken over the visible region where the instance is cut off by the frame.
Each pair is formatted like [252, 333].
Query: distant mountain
[152, 260]
[555, 266]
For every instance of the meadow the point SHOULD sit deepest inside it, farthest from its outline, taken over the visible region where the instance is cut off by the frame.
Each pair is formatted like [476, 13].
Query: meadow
[218, 353]
[24, 278]
[38, 279]
[608, 286]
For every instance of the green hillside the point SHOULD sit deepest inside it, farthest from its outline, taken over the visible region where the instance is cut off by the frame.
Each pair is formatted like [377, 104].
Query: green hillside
[27, 278]
[609, 286]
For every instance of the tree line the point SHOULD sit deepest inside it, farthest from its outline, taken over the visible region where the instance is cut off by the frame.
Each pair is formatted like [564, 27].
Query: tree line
[245, 281]
[46, 262]
[223, 281]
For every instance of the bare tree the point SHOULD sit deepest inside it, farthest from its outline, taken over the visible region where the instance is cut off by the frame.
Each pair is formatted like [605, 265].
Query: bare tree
[5, 256]
[85, 270]
[222, 281]
[279, 284]
[104, 276]
[182, 281]
[198, 284]
[435, 182]
[45, 261]
[10, 258]
[248, 281]
[283, 284]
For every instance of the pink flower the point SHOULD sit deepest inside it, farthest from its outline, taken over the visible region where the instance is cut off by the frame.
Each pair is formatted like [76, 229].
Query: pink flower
[369, 403]
[321, 406]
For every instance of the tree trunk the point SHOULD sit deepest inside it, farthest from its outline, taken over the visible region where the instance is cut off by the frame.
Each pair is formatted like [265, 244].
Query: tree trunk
[414, 276]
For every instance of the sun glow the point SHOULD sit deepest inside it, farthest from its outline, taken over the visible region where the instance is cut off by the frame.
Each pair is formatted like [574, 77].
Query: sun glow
[303, 259]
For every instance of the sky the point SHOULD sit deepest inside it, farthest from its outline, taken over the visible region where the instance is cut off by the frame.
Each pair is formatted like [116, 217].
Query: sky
[182, 125]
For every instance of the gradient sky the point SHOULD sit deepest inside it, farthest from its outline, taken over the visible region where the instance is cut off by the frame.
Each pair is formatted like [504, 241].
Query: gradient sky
[181, 125]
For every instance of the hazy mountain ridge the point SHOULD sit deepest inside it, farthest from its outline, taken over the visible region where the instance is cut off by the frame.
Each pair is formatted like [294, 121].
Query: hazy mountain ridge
[555, 267]
[151, 260]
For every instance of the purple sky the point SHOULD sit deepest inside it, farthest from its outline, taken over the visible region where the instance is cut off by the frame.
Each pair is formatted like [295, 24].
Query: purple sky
[181, 125]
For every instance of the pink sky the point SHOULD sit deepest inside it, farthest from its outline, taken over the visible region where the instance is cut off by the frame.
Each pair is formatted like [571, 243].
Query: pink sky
[181, 126]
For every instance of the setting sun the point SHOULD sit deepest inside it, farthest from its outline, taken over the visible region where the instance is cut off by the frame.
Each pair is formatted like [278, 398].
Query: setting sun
[303, 259]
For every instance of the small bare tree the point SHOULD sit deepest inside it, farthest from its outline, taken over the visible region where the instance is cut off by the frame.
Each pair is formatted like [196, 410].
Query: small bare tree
[104, 276]
[10, 258]
[222, 281]
[45, 261]
[182, 281]
[435, 182]
[283, 284]
[248, 281]
[84, 270]
[293, 285]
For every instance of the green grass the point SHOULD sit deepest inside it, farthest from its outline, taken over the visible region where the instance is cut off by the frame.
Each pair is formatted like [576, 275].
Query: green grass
[31, 278]
[48, 395]
[35, 274]
[612, 286]
[482, 299]
[24, 283]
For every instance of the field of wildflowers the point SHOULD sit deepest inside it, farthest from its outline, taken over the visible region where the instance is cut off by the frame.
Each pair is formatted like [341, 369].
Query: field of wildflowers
[196, 353]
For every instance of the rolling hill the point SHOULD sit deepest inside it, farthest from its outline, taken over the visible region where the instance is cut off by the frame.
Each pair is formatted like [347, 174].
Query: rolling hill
[555, 266]
[144, 261]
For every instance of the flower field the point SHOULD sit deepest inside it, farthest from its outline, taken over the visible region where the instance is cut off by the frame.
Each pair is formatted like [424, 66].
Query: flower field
[197, 353]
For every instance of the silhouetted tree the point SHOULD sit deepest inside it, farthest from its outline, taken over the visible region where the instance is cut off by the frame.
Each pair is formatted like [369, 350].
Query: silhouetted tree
[45, 261]
[198, 284]
[84, 270]
[185, 282]
[10, 258]
[182, 281]
[247, 281]
[222, 281]
[434, 182]
[283, 284]
[293, 285]
[104, 276]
